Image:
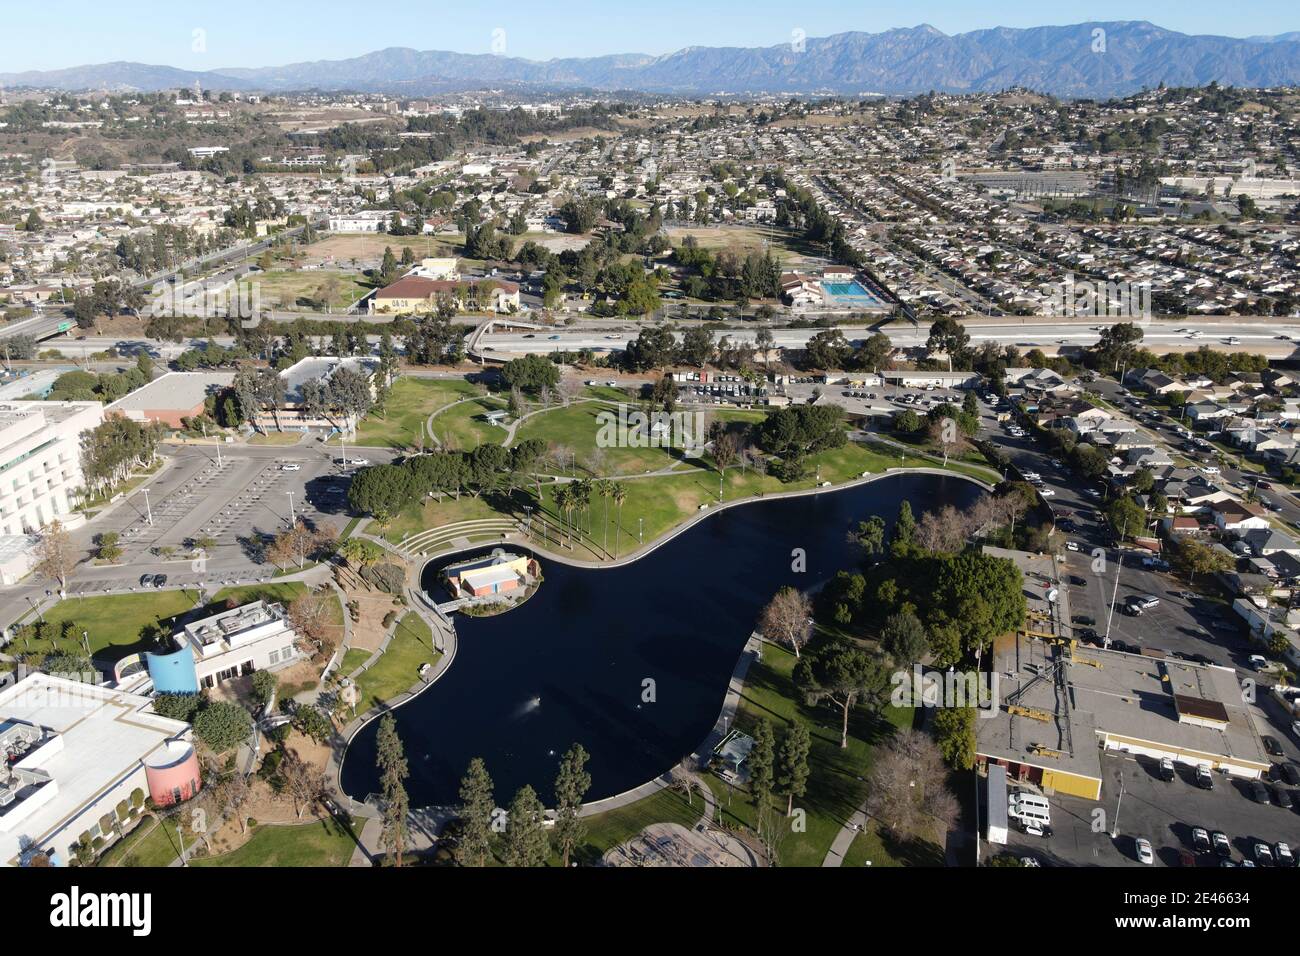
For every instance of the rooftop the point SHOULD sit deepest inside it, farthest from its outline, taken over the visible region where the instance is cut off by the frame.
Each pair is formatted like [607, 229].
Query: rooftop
[174, 390]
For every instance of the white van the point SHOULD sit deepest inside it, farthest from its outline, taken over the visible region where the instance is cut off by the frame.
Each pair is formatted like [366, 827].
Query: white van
[1027, 813]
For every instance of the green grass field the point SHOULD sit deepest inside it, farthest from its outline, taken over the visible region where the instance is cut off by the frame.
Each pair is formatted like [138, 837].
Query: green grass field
[149, 844]
[114, 623]
[319, 843]
[577, 427]
[409, 405]
[835, 784]
[609, 829]
[463, 427]
[286, 289]
[399, 666]
[432, 513]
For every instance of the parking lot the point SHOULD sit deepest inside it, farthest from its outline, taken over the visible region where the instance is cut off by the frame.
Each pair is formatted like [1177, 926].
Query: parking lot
[1163, 812]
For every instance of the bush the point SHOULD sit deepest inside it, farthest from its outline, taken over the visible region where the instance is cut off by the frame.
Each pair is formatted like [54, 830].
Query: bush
[137, 798]
[177, 706]
[123, 810]
[222, 725]
[312, 723]
[389, 618]
[387, 577]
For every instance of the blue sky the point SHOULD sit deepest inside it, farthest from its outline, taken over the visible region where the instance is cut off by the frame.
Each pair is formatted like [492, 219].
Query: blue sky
[50, 35]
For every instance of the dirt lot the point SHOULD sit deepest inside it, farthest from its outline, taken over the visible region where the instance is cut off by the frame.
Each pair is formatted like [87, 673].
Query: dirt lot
[343, 247]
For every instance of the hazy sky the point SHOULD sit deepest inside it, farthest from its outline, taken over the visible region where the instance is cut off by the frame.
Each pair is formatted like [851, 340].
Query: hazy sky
[210, 35]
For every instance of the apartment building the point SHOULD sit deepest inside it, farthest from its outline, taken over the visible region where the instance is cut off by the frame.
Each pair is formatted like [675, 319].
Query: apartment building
[40, 461]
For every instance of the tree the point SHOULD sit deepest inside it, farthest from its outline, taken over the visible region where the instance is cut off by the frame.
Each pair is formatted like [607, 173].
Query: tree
[309, 721]
[571, 786]
[393, 771]
[305, 782]
[949, 336]
[620, 496]
[55, 556]
[525, 837]
[954, 729]
[1194, 557]
[903, 636]
[787, 619]
[264, 686]
[908, 792]
[793, 771]
[222, 725]
[977, 597]
[476, 808]
[870, 536]
[761, 763]
[230, 793]
[1126, 517]
[382, 490]
[842, 673]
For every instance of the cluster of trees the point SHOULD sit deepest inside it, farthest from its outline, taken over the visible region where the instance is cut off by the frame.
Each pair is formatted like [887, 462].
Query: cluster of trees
[776, 769]
[829, 349]
[523, 839]
[384, 490]
[797, 431]
[116, 447]
[106, 297]
[532, 373]
[961, 597]
[727, 275]
[79, 386]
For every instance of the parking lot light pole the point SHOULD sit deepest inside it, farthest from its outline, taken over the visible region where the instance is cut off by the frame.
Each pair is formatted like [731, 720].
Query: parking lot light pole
[147, 508]
[1114, 830]
[290, 494]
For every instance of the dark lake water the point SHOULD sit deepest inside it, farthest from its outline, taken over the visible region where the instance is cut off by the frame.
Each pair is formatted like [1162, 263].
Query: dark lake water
[569, 665]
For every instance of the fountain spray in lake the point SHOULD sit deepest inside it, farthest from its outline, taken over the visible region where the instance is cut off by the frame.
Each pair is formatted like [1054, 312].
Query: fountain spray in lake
[532, 705]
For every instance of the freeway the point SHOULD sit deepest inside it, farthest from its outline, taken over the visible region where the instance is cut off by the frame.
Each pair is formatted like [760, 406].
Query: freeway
[1276, 339]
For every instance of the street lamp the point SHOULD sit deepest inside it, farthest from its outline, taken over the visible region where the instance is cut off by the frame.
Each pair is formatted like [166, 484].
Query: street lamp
[640, 530]
[85, 642]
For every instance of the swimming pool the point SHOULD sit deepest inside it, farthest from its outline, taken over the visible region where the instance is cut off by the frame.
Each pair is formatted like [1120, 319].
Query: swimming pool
[852, 291]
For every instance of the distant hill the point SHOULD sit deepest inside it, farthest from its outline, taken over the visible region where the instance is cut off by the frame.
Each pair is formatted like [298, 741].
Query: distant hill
[1085, 59]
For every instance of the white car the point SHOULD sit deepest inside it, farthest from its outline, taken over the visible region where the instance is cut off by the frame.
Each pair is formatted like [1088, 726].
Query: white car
[1209, 469]
[358, 462]
[1144, 851]
[1071, 546]
[1047, 492]
[291, 466]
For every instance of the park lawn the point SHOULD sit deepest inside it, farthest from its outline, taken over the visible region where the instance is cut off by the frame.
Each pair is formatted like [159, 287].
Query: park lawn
[114, 622]
[577, 427]
[609, 829]
[431, 513]
[353, 659]
[319, 843]
[276, 438]
[463, 427]
[286, 289]
[398, 668]
[875, 847]
[410, 402]
[836, 784]
[151, 843]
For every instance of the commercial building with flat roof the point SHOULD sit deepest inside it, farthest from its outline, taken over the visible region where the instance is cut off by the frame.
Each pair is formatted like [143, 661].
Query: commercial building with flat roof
[75, 758]
[171, 397]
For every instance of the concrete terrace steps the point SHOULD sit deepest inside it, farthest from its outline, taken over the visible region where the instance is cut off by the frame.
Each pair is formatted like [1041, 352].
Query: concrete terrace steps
[424, 541]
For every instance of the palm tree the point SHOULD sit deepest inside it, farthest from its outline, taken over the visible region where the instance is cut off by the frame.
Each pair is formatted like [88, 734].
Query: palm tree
[619, 494]
[605, 488]
[564, 501]
[582, 497]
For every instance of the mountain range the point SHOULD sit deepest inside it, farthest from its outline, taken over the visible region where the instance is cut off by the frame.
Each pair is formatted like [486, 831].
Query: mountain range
[1079, 60]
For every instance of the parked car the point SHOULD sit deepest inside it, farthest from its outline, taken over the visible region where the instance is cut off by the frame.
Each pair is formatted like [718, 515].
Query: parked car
[1282, 797]
[146, 580]
[1264, 855]
[1283, 854]
[1289, 773]
[1204, 779]
[291, 466]
[1272, 746]
[1144, 852]
[1201, 840]
[160, 580]
[1258, 792]
[1222, 845]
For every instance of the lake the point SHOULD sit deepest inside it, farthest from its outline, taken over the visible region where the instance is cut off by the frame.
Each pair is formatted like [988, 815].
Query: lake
[572, 663]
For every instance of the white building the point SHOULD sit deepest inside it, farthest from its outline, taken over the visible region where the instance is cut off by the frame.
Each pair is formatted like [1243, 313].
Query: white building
[369, 220]
[76, 758]
[231, 644]
[40, 461]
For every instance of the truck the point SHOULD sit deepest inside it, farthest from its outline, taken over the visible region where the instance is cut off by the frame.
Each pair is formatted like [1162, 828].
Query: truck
[996, 803]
